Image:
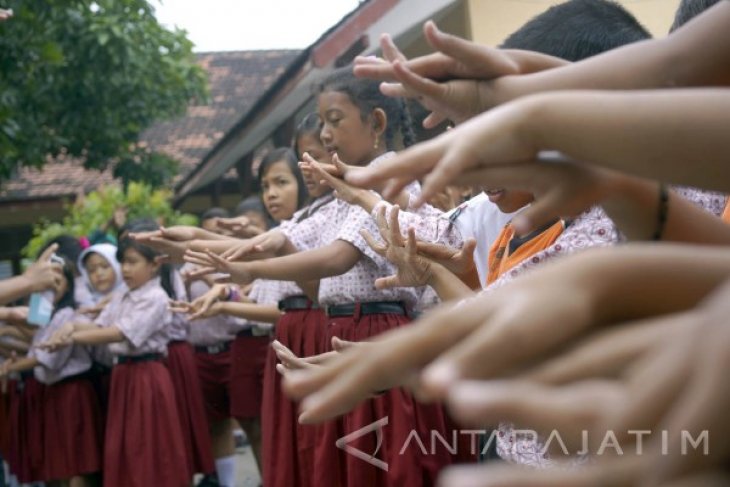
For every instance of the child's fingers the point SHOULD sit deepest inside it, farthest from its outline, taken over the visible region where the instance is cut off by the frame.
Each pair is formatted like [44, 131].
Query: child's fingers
[435, 251]
[504, 474]
[569, 410]
[46, 255]
[390, 51]
[387, 282]
[604, 354]
[417, 85]
[382, 224]
[433, 120]
[394, 227]
[195, 257]
[332, 181]
[489, 63]
[396, 90]
[453, 161]
[202, 272]
[411, 242]
[237, 253]
[321, 358]
[340, 345]
[356, 374]
[393, 187]
[217, 260]
[373, 68]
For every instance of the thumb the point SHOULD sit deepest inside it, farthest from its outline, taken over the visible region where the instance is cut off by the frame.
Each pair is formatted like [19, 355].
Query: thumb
[341, 166]
[387, 282]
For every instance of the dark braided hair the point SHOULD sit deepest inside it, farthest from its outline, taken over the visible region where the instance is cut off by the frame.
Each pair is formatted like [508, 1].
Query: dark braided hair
[366, 96]
[148, 253]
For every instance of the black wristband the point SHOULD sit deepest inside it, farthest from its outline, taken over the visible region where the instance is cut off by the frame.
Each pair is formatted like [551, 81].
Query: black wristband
[662, 212]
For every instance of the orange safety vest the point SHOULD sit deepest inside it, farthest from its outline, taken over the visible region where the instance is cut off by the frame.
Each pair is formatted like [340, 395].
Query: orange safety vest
[500, 260]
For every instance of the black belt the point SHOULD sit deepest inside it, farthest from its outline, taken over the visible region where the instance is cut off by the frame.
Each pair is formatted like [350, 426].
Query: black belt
[248, 332]
[376, 308]
[296, 303]
[86, 375]
[213, 349]
[99, 368]
[134, 359]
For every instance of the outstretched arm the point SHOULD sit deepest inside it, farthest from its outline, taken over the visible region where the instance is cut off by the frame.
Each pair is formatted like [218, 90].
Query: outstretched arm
[333, 259]
[673, 135]
[249, 311]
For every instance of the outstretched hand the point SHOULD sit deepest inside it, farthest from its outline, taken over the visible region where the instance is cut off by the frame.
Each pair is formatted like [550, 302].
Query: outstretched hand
[240, 227]
[210, 262]
[413, 269]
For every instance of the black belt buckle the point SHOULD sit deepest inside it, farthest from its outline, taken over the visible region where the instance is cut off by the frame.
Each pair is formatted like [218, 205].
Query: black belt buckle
[295, 303]
[214, 349]
[248, 332]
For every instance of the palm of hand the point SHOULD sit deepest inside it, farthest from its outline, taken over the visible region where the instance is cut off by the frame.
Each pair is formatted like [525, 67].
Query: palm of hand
[413, 269]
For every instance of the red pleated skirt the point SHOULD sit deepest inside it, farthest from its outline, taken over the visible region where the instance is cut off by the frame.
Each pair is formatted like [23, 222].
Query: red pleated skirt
[190, 406]
[214, 370]
[26, 434]
[288, 447]
[73, 430]
[143, 444]
[395, 446]
[248, 359]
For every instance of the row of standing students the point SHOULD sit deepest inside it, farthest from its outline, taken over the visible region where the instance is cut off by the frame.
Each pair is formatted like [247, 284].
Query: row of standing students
[320, 285]
[133, 375]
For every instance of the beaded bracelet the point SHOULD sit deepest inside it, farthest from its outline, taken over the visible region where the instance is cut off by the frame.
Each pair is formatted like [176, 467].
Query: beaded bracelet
[233, 294]
[662, 212]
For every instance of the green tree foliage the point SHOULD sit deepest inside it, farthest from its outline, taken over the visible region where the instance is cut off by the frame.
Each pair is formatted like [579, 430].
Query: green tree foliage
[85, 78]
[97, 208]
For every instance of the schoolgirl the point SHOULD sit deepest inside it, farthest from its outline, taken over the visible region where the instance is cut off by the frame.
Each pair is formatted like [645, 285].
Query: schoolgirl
[57, 425]
[143, 442]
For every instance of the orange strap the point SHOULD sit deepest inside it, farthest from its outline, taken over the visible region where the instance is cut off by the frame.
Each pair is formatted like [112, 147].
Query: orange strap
[500, 260]
[726, 213]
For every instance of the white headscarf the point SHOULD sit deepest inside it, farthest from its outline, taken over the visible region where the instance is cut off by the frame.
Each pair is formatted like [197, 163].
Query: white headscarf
[109, 252]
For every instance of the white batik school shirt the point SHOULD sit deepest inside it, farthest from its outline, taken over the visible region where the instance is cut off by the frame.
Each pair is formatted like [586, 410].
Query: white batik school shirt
[143, 317]
[64, 362]
[304, 229]
[357, 284]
